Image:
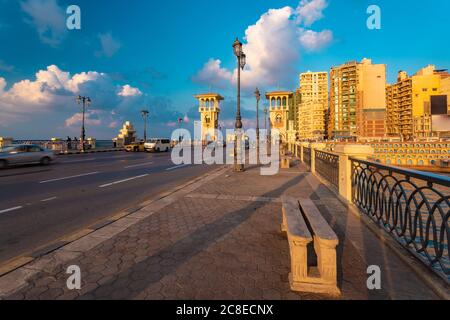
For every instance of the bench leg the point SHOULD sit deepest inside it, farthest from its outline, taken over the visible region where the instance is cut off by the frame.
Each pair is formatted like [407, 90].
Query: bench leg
[327, 263]
[299, 261]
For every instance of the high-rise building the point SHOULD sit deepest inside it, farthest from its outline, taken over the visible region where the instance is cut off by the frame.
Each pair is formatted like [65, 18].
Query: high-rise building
[410, 100]
[313, 106]
[357, 100]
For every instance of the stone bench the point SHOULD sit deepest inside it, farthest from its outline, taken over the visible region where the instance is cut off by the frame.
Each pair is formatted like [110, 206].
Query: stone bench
[304, 225]
[285, 161]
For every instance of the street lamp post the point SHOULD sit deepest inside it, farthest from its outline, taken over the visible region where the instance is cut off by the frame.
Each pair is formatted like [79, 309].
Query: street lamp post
[241, 60]
[85, 101]
[145, 114]
[265, 121]
[258, 98]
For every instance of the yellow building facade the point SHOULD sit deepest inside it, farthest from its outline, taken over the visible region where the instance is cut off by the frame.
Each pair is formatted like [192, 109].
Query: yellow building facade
[209, 109]
[357, 100]
[409, 102]
[313, 105]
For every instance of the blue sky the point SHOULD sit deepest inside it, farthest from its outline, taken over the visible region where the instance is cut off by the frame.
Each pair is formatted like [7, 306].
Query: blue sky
[158, 54]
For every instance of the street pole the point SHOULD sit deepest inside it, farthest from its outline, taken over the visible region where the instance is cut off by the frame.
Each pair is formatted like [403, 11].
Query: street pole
[258, 97]
[145, 114]
[238, 162]
[85, 101]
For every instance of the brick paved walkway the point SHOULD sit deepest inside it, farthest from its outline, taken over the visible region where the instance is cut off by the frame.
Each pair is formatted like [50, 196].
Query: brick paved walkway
[217, 239]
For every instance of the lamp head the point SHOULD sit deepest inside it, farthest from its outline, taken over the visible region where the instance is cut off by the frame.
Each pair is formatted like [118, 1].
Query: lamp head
[243, 60]
[237, 47]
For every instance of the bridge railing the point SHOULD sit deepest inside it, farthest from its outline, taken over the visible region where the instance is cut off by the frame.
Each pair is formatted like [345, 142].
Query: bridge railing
[307, 156]
[411, 206]
[327, 165]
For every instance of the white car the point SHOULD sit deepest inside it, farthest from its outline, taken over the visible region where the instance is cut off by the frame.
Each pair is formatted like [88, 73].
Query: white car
[157, 145]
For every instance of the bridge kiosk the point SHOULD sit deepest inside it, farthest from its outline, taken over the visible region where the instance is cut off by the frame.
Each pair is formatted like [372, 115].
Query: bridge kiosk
[209, 108]
[279, 106]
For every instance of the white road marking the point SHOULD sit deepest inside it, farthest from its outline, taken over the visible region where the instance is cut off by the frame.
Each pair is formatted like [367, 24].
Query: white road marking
[11, 209]
[76, 161]
[122, 181]
[71, 177]
[139, 165]
[49, 199]
[177, 167]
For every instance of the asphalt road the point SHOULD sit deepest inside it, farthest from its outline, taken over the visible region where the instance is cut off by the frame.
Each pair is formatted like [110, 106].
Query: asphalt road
[40, 204]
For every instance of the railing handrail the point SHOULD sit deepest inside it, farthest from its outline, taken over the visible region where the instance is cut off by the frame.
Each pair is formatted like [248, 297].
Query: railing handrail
[429, 177]
[328, 152]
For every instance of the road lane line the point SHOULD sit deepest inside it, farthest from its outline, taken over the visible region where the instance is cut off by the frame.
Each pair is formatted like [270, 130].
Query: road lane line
[11, 209]
[76, 161]
[71, 177]
[139, 165]
[49, 199]
[177, 167]
[122, 181]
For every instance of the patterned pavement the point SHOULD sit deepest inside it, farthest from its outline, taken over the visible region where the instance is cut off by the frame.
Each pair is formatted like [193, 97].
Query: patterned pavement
[219, 240]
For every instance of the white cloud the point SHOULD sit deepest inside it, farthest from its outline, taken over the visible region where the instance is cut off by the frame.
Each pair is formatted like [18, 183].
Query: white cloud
[54, 90]
[2, 85]
[129, 91]
[109, 45]
[46, 104]
[213, 74]
[92, 118]
[309, 11]
[314, 41]
[48, 18]
[273, 47]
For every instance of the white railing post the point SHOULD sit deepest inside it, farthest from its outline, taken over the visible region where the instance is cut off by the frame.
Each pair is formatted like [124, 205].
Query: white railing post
[345, 165]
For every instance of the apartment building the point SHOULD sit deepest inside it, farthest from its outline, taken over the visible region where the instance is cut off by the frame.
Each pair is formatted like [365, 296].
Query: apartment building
[311, 117]
[357, 100]
[411, 102]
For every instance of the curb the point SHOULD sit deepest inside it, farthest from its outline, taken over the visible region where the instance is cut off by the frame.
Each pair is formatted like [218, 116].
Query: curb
[21, 263]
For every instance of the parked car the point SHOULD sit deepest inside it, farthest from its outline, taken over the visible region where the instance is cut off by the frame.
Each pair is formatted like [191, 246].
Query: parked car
[157, 145]
[25, 154]
[135, 147]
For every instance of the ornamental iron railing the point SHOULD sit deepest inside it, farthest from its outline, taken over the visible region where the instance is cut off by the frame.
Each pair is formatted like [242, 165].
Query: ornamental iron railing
[327, 165]
[412, 206]
[307, 156]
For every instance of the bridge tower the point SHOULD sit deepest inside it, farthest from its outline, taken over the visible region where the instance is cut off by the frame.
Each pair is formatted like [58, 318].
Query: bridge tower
[209, 108]
[279, 106]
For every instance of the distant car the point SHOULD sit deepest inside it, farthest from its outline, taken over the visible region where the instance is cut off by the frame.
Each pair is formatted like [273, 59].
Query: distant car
[158, 145]
[135, 147]
[25, 154]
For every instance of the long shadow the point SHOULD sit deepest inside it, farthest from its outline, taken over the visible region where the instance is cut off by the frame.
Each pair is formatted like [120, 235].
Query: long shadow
[340, 228]
[189, 246]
